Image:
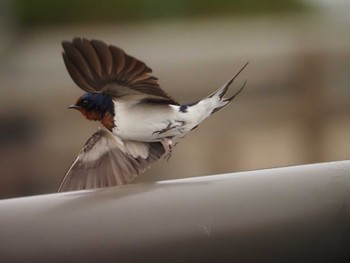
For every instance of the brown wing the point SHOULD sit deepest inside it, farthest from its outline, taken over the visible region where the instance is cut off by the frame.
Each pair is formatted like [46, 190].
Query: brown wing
[98, 68]
[107, 161]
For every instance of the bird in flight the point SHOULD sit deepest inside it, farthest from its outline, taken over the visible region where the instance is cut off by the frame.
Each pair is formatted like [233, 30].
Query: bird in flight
[141, 122]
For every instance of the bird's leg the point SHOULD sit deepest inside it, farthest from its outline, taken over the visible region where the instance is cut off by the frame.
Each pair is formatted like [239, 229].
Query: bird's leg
[169, 144]
[167, 128]
[170, 126]
[181, 129]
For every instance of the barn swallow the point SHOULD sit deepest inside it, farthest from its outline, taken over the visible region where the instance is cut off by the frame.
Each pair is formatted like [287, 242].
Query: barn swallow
[141, 122]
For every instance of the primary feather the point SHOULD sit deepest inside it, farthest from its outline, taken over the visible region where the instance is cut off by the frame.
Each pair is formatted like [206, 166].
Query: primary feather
[97, 67]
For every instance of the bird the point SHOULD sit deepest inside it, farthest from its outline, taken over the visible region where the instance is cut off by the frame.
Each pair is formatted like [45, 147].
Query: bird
[140, 121]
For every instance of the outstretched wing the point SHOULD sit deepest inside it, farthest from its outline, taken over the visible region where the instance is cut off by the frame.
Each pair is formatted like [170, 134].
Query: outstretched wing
[98, 68]
[107, 161]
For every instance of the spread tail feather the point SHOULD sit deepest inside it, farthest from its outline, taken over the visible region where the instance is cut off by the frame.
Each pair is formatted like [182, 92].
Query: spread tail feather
[213, 103]
[218, 96]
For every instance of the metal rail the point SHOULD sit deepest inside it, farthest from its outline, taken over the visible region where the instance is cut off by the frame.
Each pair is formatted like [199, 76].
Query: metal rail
[292, 214]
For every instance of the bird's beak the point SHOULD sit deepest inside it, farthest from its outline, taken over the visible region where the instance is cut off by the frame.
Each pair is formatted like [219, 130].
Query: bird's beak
[74, 106]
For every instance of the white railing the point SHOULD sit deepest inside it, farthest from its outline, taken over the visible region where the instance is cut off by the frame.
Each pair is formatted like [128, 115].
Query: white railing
[292, 214]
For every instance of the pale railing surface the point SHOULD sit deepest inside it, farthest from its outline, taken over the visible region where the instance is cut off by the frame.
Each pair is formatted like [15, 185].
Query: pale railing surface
[292, 214]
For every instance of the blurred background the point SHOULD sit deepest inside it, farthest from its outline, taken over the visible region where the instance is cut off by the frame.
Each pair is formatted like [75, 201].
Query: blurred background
[294, 110]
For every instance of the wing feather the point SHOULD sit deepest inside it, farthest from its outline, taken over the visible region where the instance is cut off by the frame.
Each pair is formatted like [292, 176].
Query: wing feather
[76, 75]
[90, 56]
[105, 56]
[118, 61]
[107, 161]
[98, 68]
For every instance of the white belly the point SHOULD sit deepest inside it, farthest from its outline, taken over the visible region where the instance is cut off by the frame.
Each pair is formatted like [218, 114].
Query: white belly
[145, 122]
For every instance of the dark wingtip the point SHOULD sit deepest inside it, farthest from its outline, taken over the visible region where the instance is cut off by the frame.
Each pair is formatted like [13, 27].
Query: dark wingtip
[77, 40]
[66, 44]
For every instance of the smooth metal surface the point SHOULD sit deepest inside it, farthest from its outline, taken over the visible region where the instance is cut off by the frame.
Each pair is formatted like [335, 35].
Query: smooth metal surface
[292, 214]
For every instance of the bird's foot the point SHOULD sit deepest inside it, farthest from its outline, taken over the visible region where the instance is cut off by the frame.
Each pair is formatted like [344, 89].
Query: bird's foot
[170, 145]
[167, 128]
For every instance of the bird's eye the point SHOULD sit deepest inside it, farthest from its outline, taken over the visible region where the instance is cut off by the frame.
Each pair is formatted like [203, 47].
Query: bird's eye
[85, 102]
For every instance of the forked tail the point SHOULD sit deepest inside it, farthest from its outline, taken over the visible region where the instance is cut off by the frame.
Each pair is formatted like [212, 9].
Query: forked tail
[204, 108]
[217, 98]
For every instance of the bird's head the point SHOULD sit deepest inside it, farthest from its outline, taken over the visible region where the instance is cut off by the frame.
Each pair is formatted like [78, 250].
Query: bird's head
[94, 106]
